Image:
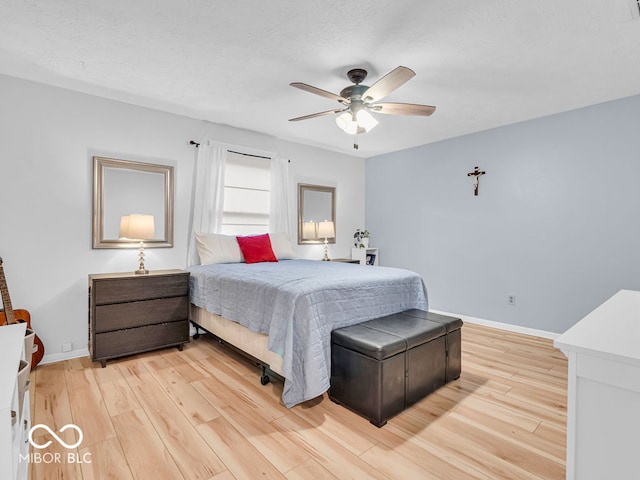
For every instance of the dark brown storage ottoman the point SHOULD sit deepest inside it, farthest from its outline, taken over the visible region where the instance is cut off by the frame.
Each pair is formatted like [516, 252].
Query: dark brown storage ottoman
[381, 367]
[454, 339]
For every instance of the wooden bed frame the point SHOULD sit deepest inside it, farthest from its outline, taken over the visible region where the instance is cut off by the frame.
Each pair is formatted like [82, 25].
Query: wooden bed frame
[240, 338]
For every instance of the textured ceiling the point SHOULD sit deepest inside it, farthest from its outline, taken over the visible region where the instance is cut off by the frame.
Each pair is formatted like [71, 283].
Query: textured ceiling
[482, 63]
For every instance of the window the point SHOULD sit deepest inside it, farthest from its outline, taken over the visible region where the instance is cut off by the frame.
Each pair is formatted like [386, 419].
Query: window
[247, 192]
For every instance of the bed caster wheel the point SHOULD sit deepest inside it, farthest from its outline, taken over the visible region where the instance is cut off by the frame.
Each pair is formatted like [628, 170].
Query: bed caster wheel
[264, 379]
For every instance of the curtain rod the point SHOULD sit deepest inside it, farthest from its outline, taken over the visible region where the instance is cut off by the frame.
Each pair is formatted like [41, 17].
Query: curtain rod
[192, 142]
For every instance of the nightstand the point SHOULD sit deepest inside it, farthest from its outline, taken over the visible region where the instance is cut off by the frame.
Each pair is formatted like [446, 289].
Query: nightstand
[366, 256]
[131, 313]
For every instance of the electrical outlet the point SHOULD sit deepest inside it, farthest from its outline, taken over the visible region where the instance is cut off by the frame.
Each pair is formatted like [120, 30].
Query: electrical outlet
[511, 299]
[66, 347]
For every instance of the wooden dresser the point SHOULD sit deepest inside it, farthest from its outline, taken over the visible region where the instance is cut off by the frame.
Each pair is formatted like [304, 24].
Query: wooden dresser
[131, 313]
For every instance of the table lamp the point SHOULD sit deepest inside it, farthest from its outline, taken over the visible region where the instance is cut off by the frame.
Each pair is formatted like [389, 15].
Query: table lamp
[326, 230]
[138, 227]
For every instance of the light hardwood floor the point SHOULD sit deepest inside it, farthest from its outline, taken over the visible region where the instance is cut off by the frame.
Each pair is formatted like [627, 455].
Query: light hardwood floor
[202, 414]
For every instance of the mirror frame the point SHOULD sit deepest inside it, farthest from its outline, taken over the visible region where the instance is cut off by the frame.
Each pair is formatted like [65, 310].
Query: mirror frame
[302, 188]
[99, 165]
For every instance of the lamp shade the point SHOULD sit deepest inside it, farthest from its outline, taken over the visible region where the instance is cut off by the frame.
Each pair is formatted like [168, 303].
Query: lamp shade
[326, 230]
[309, 230]
[137, 227]
[347, 123]
[124, 226]
[365, 120]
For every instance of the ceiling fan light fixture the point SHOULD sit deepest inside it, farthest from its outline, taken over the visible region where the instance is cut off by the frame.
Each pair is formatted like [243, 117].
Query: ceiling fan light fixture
[347, 123]
[365, 120]
[356, 123]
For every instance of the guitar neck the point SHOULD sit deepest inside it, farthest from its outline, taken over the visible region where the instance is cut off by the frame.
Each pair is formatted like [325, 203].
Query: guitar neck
[6, 300]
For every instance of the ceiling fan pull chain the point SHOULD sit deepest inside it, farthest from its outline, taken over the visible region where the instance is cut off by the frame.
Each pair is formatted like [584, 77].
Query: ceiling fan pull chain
[355, 142]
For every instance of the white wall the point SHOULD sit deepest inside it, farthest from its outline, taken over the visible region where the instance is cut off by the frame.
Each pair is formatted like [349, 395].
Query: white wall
[556, 222]
[48, 138]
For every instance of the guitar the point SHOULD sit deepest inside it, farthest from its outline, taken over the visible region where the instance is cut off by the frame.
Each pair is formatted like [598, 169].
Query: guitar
[11, 316]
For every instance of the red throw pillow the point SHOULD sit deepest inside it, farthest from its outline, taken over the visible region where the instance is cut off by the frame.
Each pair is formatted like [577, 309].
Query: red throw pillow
[257, 248]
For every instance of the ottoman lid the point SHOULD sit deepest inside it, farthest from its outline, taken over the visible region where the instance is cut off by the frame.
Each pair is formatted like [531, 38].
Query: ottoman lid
[415, 331]
[369, 342]
[452, 323]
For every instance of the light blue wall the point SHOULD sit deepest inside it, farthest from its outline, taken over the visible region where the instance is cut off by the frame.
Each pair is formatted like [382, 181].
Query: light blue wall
[556, 223]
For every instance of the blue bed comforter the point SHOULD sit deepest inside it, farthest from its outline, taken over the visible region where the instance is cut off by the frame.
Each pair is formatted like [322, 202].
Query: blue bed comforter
[297, 303]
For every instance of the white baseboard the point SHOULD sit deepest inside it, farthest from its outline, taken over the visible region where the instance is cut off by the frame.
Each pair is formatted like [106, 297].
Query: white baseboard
[502, 326]
[59, 357]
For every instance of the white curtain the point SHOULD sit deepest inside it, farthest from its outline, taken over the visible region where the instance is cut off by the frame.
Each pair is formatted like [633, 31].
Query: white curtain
[280, 204]
[208, 195]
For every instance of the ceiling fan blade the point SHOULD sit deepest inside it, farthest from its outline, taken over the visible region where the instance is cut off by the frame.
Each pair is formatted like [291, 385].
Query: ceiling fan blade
[313, 115]
[318, 91]
[403, 109]
[387, 84]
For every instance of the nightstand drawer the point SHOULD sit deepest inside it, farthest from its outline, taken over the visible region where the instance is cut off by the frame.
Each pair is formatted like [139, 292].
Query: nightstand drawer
[117, 316]
[143, 287]
[141, 339]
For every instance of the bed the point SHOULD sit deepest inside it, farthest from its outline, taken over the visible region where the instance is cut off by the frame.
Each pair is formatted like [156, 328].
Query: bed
[282, 313]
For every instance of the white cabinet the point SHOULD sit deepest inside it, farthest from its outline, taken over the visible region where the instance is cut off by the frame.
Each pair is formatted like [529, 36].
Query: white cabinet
[366, 256]
[603, 402]
[14, 420]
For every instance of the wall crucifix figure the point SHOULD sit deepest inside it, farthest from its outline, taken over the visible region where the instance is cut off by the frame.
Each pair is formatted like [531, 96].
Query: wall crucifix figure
[476, 175]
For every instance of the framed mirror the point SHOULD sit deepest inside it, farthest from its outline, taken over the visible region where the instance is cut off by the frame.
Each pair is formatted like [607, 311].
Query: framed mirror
[123, 187]
[316, 204]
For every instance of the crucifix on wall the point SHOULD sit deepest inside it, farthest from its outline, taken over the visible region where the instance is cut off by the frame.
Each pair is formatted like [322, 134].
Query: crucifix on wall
[476, 175]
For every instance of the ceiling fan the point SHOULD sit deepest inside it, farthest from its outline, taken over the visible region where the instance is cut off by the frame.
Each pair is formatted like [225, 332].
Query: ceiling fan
[359, 101]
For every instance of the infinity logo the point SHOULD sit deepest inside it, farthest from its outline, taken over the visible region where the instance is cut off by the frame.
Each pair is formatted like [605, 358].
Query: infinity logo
[60, 441]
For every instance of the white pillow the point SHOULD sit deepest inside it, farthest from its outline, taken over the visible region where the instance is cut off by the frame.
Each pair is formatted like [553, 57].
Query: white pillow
[281, 246]
[217, 248]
